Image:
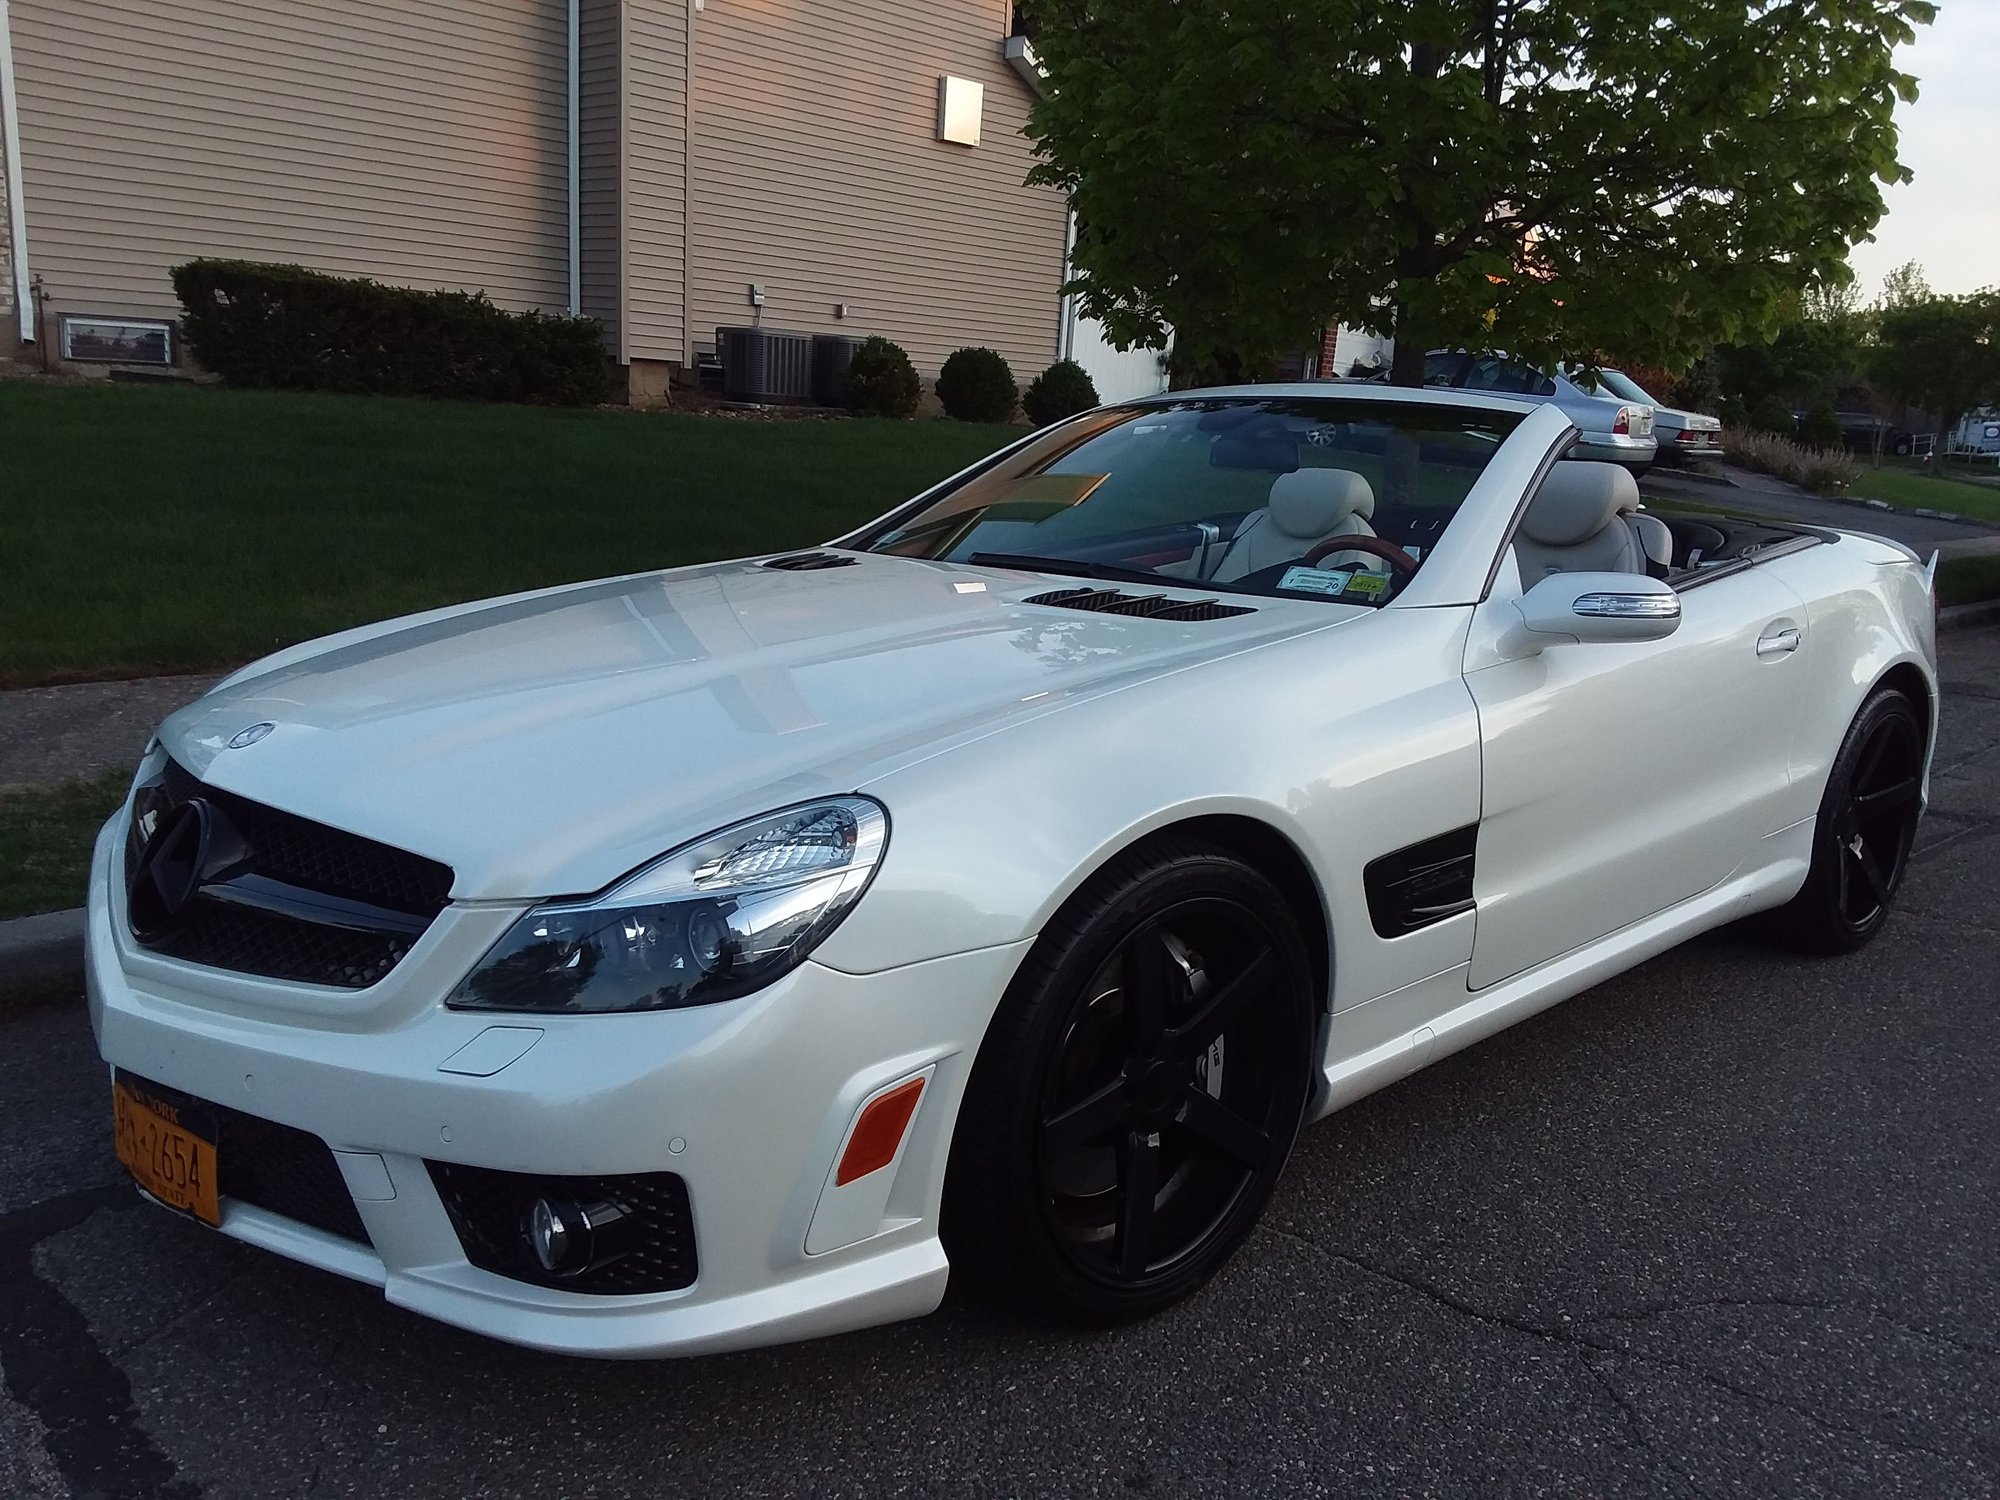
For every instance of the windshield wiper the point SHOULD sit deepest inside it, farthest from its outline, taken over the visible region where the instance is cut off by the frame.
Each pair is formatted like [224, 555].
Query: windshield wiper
[1071, 567]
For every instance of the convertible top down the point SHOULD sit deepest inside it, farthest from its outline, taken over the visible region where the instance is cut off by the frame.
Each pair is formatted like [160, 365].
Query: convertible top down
[725, 955]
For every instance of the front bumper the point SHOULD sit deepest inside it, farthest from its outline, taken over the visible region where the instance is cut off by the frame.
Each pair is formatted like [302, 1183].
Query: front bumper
[748, 1102]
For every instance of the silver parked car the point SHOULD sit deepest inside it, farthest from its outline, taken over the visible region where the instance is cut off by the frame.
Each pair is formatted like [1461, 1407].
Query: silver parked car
[1680, 434]
[1615, 430]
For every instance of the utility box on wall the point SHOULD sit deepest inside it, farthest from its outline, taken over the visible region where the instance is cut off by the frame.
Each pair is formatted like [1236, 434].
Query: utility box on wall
[960, 103]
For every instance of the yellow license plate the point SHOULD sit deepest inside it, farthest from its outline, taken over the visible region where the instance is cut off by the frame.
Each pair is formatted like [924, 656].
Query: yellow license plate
[161, 1146]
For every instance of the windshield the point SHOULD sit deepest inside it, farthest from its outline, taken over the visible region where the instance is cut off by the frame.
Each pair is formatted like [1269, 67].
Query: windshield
[1286, 496]
[1623, 386]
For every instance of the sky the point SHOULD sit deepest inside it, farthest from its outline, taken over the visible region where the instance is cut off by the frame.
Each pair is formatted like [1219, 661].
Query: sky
[1948, 218]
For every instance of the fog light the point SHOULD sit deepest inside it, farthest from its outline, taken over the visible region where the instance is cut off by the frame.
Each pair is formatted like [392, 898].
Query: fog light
[566, 1237]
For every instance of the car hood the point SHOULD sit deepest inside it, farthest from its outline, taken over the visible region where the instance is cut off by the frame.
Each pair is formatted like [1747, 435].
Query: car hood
[549, 743]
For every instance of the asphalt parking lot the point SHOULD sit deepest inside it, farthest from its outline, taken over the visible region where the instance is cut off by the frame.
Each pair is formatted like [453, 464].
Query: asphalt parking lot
[1727, 1225]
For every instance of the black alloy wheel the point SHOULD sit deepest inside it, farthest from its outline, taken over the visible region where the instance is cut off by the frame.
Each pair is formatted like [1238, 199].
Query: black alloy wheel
[1139, 1090]
[1866, 826]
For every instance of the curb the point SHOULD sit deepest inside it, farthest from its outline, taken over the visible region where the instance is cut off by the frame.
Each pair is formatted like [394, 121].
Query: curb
[1969, 616]
[48, 946]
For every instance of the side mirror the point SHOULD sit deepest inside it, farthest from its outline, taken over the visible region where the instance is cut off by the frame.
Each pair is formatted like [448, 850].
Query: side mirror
[1573, 608]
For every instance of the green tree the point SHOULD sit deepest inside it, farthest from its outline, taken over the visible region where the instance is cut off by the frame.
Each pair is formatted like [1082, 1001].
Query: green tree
[1545, 176]
[1902, 286]
[1943, 354]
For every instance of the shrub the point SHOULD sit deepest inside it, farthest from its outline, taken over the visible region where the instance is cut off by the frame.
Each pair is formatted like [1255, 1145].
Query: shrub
[976, 385]
[881, 382]
[285, 326]
[1769, 413]
[1822, 472]
[1820, 427]
[1062, 390]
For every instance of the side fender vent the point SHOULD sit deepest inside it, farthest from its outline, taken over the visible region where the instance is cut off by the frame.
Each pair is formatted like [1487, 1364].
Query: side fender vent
[1151, 606]
[809, 562]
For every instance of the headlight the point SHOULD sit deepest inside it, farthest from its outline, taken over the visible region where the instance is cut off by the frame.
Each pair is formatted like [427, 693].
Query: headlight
[718, 918]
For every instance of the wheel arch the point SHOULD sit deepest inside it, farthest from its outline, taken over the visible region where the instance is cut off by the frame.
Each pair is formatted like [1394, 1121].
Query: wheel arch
[1907, 678]
[1263, 847]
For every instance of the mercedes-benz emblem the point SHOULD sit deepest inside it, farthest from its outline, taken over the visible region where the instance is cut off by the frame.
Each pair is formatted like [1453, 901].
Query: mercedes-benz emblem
[244, 738]
[194, 844]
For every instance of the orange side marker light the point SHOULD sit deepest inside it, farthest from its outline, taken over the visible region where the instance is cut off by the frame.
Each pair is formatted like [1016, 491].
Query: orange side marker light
[879, 1132]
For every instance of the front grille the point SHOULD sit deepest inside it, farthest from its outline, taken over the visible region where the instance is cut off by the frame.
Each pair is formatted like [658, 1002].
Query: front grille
[312, 858]
[489, 1210]
[220, 936]
[1149, 606]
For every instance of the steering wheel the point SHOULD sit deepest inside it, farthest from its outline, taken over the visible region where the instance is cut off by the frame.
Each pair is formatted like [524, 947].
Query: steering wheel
[1374, 546]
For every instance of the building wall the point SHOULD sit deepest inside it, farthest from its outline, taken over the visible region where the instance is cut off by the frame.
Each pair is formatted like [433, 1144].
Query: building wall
[816, 172]
[601, 162]
[655, 115]
[417, 144]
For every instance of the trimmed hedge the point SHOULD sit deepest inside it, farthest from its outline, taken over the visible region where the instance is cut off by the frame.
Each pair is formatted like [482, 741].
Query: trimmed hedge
[1062, 390]
[976, 385]
[881, 382]
[300, 330]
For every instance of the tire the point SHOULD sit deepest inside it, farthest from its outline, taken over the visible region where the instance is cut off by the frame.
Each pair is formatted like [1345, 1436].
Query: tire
[1861, 839]
[1108, 1159]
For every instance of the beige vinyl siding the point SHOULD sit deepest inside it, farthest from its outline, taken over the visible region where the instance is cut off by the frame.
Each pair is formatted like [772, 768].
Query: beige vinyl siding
[423, 145]
[655, 182]
[816, 172]
[600, 162]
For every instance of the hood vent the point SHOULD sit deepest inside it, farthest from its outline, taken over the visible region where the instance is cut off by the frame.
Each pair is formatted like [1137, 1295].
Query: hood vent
[1151, 606]
[809, 562]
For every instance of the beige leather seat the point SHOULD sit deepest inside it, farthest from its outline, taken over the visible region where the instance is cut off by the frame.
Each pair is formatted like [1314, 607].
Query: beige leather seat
[1306, 507]
[1582, 521]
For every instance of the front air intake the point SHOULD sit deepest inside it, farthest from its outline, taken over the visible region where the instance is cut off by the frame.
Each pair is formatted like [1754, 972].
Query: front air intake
[1150, 606]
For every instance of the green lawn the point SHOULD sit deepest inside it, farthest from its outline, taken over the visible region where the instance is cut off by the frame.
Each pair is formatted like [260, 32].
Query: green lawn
[45, 839]
[1966, 580]
[1909, 488]
[150, 529]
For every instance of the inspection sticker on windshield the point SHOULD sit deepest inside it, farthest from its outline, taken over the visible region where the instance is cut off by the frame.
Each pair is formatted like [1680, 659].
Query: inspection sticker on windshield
[1367, 583]
[1316, 580]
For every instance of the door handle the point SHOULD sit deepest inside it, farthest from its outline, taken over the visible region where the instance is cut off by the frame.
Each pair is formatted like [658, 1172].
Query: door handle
[1779, 642]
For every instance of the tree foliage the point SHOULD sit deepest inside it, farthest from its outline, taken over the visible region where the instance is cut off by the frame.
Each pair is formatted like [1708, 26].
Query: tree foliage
[1941, 353]
[1546, 176]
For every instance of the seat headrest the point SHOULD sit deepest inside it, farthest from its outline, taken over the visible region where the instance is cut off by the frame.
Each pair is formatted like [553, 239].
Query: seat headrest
[1311, 502]
[1578, 500]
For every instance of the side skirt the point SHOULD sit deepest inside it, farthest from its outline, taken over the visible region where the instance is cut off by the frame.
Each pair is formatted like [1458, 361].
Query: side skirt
[1456, 1019]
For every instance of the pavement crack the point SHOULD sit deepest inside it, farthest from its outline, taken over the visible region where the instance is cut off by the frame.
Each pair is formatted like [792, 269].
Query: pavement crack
[55, 1367]
[1636, 1425]
[1574, 1337]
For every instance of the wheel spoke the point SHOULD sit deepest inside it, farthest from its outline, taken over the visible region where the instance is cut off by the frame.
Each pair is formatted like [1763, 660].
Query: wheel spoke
[1149, 974]
[1871, 758]
[1096, 1114]
[1209, 1119]
[1892, 798]
[1227, 1003]
[1138, 1187]
[1876, 881]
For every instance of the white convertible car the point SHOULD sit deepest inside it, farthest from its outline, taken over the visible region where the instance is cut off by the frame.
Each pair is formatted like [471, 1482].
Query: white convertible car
[706, 958]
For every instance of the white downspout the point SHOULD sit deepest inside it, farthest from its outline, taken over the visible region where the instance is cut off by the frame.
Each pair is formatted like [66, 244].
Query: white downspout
[1066, 336]
[575, 157]
[17, 192]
